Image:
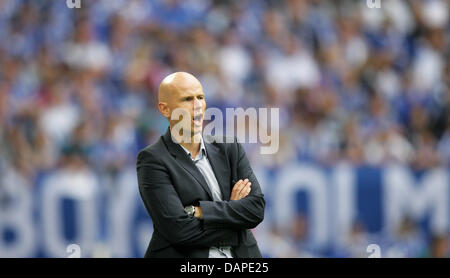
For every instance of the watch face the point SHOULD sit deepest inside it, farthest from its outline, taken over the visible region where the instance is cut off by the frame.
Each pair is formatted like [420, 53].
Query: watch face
[190, 210]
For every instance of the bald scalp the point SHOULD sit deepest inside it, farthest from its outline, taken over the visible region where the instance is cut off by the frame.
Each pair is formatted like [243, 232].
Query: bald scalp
[175, 83]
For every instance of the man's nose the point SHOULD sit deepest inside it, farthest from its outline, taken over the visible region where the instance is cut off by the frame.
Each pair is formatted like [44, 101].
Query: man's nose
[197, 104]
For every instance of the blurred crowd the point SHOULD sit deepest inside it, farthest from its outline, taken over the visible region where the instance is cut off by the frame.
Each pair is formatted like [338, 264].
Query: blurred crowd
[369, 86]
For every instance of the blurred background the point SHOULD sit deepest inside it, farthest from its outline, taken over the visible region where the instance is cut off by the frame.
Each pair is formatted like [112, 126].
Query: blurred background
[363, 94]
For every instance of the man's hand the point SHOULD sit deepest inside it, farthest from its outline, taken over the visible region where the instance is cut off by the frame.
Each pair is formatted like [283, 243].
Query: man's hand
[241, 189]
[198, 212]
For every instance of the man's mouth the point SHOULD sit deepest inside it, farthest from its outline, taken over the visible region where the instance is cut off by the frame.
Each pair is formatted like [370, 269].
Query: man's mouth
[197, 119]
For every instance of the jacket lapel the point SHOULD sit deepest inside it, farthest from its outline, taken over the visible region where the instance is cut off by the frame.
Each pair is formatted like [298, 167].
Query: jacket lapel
[185, 161]
[220, 167]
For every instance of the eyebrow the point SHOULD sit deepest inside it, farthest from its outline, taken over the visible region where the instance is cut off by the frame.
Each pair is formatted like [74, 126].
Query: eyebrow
[195, 95]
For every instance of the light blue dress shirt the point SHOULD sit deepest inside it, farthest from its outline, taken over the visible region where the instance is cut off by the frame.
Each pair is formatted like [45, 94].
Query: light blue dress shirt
[203, 165]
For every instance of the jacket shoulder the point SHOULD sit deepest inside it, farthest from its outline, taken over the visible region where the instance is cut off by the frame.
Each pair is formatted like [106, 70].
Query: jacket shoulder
[151, 150]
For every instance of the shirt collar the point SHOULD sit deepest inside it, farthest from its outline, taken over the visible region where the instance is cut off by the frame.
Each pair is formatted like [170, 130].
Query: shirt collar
[201, 153]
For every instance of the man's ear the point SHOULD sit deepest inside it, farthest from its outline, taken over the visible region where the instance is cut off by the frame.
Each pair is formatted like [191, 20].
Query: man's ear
[164, 109]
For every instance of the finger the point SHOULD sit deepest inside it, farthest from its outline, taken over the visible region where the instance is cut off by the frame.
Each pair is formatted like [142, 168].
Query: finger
[236, 185]
[247, 189]
[239, 190]
[236, 189]
[244, 183]
[241, 185]
[244, 192]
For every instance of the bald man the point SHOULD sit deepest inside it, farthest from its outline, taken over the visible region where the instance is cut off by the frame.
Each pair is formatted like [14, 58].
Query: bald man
[201, 195]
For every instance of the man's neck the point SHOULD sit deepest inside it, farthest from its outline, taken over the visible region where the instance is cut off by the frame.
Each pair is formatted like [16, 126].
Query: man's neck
[192, 144]
[193, 148]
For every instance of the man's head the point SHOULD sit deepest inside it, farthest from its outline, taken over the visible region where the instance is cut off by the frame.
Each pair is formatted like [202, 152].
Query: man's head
[181, 93]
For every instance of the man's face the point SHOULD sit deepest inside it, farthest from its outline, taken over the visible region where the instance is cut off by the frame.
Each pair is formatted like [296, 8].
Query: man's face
[191, 100]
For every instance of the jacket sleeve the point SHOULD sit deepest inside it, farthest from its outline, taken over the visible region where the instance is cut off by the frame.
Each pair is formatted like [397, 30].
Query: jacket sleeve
[167, 211]
[245, 213]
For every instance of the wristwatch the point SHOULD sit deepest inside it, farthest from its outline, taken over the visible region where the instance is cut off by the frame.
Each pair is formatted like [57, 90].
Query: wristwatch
[190, 210]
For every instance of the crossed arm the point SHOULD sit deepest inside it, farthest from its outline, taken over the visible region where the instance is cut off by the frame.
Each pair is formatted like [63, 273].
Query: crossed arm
[245, 210]
[220, 220]
[240, 190]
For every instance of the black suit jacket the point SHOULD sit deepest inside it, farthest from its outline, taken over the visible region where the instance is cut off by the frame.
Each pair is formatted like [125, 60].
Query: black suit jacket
[169, 180]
